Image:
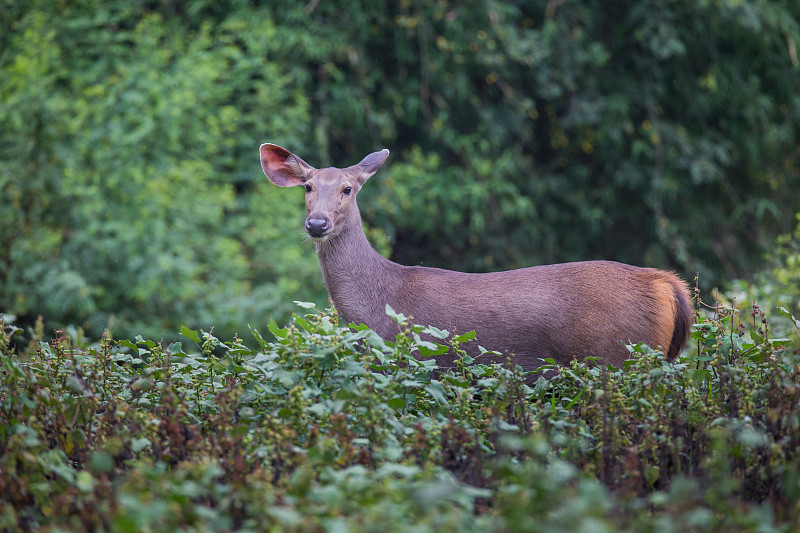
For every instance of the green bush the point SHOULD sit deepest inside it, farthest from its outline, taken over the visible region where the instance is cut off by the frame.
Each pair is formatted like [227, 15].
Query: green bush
[777, 286]
[126, 137]
[332, 428]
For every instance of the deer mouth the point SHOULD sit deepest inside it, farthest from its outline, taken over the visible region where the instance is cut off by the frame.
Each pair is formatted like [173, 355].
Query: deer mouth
[321, 238]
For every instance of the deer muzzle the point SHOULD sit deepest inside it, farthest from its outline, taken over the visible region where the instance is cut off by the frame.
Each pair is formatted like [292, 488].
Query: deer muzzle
[317, 226]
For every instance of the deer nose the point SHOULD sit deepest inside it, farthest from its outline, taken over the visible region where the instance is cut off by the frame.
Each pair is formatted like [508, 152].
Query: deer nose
[316, 226]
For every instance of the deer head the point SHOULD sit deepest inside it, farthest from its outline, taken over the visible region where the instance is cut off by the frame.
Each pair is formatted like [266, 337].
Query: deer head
[330, 192]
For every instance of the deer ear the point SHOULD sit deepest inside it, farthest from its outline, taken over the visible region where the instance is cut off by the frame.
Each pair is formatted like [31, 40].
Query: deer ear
[369, 165]
[282, 167]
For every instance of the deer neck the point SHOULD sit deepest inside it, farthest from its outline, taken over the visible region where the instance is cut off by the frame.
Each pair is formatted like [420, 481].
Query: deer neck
[359, 280]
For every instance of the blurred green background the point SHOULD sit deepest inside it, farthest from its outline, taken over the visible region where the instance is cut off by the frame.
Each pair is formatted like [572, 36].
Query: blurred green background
[656, 132]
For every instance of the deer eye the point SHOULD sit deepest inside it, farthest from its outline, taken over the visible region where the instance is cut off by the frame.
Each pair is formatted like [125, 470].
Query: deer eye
[347, 190]
[308, 188]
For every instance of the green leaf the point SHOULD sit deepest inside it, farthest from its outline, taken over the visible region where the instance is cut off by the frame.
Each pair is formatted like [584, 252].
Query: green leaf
[101, 462]
[175, 348]
[259, 339]
[458, 381]
[437, 333]
[396, 403]
[84, 481]
[487, 383]
[468, 336]
[319, 409]
[128, 344]
[75, 385]
[139, 444]
[785, 312]
[150, 344]
[429, 349]
[437, 392]
[324, 351]
[502, 425]
[142, 384]
[400, 318]
[190, 334]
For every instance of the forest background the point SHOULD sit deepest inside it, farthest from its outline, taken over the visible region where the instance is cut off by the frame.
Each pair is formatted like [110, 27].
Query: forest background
[660, 133]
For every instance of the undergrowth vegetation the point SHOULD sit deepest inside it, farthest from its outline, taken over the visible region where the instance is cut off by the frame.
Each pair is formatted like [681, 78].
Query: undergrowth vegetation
[329, 428]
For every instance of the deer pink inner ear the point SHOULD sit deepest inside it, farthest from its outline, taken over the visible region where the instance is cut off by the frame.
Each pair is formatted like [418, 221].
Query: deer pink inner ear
[274, 155]
[281, 166]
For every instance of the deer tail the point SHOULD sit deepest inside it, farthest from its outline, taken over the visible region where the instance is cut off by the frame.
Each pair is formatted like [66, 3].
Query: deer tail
[683, 319]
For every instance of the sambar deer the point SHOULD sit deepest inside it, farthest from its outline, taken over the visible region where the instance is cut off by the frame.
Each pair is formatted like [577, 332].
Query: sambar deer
[564, 311]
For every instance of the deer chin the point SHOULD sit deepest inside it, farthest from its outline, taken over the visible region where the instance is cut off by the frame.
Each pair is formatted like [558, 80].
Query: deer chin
[318, 239]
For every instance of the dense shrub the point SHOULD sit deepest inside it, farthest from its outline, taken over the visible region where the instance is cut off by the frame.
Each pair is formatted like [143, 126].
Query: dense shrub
[331, 428]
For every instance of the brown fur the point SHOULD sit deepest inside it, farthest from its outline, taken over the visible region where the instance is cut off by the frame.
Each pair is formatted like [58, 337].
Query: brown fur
[566, 311]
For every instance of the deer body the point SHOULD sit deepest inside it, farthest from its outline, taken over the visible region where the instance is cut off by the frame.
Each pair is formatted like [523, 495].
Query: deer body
[562, 311]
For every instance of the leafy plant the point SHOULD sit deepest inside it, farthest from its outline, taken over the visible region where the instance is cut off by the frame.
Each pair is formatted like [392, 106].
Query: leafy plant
[331, 427]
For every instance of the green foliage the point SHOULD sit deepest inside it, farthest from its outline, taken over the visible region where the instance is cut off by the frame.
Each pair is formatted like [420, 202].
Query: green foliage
[778, 285]
[126, 135]
[656, 133]
[782, 283]
[332, 428]
[534, 132]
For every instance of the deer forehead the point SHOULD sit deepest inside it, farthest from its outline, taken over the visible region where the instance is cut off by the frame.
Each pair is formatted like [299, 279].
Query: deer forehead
[333, 177]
